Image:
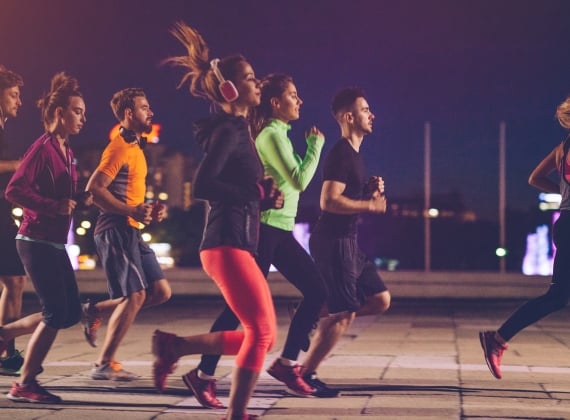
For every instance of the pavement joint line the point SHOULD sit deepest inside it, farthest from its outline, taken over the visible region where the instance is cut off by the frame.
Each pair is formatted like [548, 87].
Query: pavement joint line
[417, 363]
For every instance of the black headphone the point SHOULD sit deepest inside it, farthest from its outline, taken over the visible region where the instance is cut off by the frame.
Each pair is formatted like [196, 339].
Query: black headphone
[130, 137]
[227, 89]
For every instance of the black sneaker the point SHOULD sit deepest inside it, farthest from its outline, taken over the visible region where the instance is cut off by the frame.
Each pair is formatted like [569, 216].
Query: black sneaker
[321, 389]
[11, 365]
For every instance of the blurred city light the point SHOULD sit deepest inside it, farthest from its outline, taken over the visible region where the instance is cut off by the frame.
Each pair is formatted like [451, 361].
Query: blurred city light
[550, 198]
[162, 251]
[86, 262]
[433, 212]
[152, 137]
[501, 252]
[17, 212]
[73, 251]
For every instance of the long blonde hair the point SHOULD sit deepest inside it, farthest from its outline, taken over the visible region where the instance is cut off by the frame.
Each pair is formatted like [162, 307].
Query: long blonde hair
[563, 113]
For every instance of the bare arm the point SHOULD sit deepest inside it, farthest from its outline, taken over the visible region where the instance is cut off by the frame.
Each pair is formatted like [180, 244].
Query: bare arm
[98, 185]
[9, 166]
[539, 177]
[333, 201]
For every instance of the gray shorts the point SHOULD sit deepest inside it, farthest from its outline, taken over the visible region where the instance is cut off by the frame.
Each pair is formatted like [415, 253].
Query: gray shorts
[350, 276]
[129, 263]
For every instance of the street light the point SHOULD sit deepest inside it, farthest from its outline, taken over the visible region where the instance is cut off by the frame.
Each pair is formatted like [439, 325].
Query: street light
[501, 252]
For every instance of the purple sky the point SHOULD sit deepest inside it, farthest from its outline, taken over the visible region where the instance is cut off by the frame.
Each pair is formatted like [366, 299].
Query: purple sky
[463, 65]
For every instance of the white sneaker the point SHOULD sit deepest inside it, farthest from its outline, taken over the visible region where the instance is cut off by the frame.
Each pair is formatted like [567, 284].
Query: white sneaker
[112, 371]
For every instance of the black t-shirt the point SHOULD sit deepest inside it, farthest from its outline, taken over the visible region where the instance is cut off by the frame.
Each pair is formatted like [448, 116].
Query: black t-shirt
[343, 164]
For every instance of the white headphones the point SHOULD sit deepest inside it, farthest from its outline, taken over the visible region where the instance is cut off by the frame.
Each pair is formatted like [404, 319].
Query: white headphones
[227, 89]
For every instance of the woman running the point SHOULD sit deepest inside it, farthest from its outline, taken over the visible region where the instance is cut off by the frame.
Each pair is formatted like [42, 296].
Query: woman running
[45, 185]
[279, 106]
[230, 179]
[494, 343]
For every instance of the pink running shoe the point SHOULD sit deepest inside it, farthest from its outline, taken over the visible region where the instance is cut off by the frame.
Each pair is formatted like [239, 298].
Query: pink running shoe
[165, 358]
[203, 389]
[32, 393]
[493, 351]
[291, 376]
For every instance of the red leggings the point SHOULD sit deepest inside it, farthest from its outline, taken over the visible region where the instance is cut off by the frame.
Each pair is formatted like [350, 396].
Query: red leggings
[247, 293]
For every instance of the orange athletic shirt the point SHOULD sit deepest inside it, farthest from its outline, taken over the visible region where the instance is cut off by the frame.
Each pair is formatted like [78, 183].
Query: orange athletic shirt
[125, 163]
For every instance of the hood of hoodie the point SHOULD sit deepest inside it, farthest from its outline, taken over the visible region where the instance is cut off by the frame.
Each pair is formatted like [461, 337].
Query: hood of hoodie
[203, 128]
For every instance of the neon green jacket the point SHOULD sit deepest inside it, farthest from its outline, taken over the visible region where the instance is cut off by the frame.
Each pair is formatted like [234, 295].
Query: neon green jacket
[291, 173]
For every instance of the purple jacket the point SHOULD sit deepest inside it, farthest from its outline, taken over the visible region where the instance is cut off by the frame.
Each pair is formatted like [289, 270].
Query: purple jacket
[44, 177]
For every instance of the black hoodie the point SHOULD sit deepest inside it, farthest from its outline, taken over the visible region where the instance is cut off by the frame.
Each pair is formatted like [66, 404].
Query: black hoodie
[228, 178]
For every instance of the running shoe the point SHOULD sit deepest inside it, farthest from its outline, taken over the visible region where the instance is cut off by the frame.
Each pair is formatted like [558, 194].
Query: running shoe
[33, 393]
[322, 390]
[493, 351]
[203, 389]
[291, 377]
[91, 322]
[11, 365]
[165, 359]
[112, 371]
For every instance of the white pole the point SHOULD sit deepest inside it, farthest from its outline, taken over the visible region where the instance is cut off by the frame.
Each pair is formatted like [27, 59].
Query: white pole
[427, 196]
[502, 192]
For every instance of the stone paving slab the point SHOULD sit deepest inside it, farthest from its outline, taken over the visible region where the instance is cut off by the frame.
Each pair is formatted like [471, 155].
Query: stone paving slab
[420, 361]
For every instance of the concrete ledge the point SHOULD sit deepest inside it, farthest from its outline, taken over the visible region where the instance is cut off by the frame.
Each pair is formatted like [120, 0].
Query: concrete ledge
[402, 284]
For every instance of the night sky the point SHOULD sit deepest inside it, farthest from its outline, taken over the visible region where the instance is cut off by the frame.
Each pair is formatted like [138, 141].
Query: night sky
[462, 65]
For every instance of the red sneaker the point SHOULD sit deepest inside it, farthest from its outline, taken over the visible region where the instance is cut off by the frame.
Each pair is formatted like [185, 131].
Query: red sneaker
[33, 393]
[493, 351]
[203, 389]
[291, 376]
[165, 358]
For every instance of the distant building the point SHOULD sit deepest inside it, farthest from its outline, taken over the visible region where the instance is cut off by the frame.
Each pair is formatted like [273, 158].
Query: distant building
[444, 205]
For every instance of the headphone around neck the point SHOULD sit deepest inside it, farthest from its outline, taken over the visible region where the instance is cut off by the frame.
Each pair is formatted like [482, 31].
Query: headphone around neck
[130, 137]
[227, 89]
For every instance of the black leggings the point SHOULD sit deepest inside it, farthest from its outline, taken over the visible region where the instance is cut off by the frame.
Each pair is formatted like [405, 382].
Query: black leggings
[558, 294]
[53, 277]
[279, 247]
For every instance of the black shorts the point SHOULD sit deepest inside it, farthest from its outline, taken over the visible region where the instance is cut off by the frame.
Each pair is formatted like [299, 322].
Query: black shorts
[10, 264]
[350, 276]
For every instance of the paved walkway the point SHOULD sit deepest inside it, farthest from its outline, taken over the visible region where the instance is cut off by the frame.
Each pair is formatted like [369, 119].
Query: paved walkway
[422, 360]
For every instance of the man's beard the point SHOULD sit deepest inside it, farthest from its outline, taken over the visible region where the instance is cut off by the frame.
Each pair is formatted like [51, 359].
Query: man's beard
[147, 128]
[143, 127]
